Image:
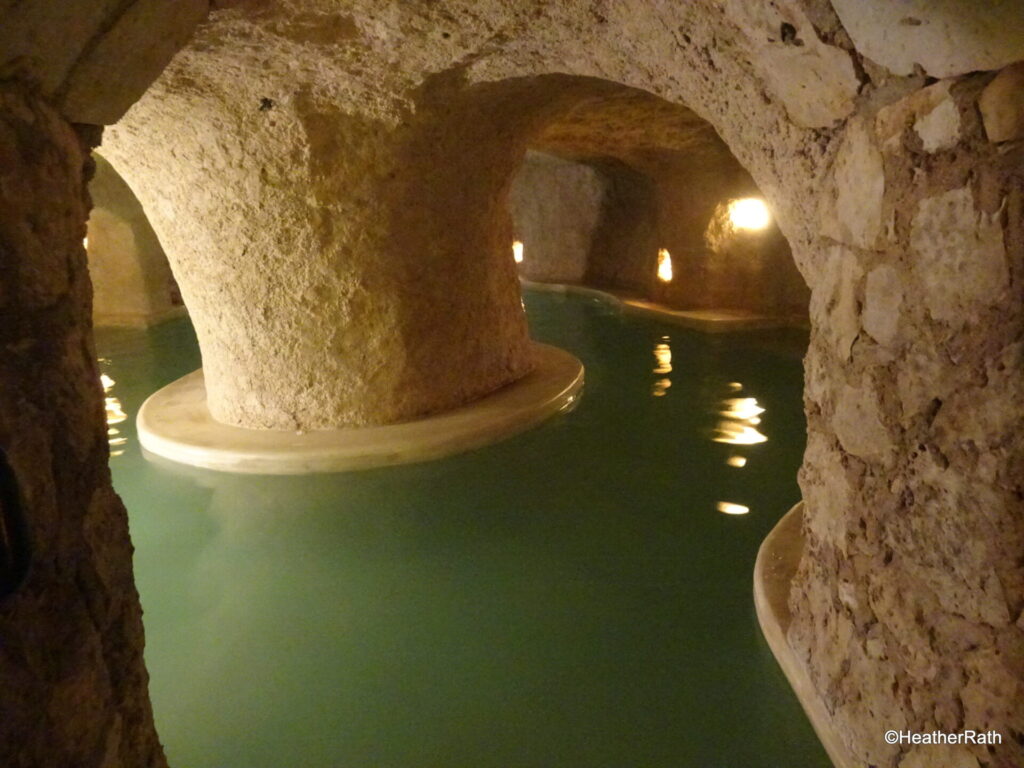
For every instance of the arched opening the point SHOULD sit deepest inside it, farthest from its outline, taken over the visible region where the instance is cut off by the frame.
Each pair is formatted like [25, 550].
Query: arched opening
[622, 179]
[132, 282]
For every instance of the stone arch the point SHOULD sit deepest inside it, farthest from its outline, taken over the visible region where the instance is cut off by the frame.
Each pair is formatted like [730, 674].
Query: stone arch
[899, 196]
[131, 278]
[654, 175]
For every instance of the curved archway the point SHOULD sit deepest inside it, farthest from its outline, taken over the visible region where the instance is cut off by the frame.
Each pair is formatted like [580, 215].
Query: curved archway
[131, 278]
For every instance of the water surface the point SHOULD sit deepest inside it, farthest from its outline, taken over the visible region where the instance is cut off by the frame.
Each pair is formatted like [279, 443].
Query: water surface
[576, 596]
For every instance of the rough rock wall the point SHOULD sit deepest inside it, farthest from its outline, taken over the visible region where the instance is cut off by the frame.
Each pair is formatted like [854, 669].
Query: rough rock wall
[72, 679]
[908, 605]
[131, 279]
[556, 205]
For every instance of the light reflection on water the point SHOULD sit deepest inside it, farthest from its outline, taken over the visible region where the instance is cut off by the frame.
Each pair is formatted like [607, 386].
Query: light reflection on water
[115, 413]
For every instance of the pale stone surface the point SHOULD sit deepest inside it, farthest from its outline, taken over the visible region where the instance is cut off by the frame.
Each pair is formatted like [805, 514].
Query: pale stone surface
[1002, 105]
[858, 422]
[556, 205]
[131, 279]
[854, 215]
[945, 37]
[176, 424]
[933, 113]
[883, 295]
[834, 305]
[958, 256]
[940, 128]
[95, 57]
[815, 81]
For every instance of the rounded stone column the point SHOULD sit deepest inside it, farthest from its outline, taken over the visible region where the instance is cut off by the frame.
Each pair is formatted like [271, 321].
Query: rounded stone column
[341, 267]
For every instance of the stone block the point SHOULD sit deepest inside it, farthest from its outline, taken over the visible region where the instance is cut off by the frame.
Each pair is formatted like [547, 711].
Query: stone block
[959, 258]
[853, 213]
[945, 37]
[1002, 105]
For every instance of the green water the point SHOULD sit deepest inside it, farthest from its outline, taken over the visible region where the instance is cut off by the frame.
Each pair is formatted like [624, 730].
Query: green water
[569, 597]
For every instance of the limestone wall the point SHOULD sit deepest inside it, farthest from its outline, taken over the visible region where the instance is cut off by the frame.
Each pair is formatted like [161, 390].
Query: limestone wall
[603, 219]
[131, 279]
[71, 667]
[556, 206]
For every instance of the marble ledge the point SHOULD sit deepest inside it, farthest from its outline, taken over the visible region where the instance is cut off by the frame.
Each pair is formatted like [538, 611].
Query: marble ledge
[774, 569]
[175, 423]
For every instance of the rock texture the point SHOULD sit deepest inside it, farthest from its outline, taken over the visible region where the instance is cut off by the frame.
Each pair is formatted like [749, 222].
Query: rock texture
[331, 182]
[93, 58]
[71, 670]
[556, 207]
[131, 279]
[665, 181]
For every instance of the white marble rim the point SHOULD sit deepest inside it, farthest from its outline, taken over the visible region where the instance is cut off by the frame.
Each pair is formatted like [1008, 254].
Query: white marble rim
[175, 423]
[776, 564]
[705, 320]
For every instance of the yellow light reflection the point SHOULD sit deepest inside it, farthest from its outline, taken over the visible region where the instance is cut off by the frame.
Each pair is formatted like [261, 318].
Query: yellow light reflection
[735, 386]
[660, 387]
[728, 508]
[736, 461]
[115, 415]
[743, 409]
[664, 266]
[749, 213]
[663, 354]
[517, 251]
[739, 425]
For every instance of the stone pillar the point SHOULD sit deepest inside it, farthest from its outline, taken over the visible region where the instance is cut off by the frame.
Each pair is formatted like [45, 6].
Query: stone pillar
[907, 608]
[341, 268]
[71, 667]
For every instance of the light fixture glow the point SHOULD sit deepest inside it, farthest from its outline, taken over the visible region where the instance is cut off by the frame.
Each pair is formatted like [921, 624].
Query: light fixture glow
[728, 508]
[517, 251]
[664, 265]
[749, 213]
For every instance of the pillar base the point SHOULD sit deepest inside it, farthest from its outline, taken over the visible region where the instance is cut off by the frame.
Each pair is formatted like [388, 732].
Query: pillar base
[175, 423]
[776, 565]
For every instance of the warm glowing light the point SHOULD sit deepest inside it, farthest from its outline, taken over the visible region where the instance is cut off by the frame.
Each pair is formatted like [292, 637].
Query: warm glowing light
[115, 415]
[738, 434]
[663, 354]
[85, 242]
[660, 387]
[736, 461]
[739, 427]
[517, 251]
[749, 213]
[735, 386]
[664, 266]
[742, 409]
[728, 508]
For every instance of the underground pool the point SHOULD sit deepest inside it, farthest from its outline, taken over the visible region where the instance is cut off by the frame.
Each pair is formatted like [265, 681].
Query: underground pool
[578, 595]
